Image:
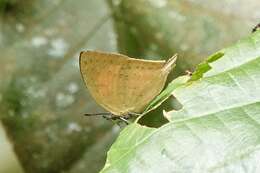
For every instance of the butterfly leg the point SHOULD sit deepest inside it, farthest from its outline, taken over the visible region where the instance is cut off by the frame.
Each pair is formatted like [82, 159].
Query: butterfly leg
[189, 73]
[131, 115]
[106, 117]
[116, 117]
[134, 114]
[110, 116]
[124, 120]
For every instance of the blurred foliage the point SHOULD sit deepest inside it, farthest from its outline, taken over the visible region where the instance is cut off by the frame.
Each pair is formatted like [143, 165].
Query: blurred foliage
[193, 29]
[16, 7]
[43, 98]
[5, 4]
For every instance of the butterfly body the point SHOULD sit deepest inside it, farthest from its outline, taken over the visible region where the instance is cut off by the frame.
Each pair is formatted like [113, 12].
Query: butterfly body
[120, 84]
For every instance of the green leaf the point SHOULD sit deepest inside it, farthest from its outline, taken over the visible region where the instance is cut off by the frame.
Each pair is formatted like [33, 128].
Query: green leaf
[217, 130]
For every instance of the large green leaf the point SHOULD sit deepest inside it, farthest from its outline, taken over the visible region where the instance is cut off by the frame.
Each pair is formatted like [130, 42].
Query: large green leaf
[218, 128]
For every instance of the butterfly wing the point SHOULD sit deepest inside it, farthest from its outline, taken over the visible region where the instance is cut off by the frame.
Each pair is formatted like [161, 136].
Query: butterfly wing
[121, 84]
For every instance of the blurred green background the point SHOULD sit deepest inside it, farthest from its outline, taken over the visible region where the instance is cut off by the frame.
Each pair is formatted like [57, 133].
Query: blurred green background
[42, 96]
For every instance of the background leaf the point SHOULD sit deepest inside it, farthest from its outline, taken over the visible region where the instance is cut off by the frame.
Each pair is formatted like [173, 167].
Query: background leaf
[43, 98]
[193, 29]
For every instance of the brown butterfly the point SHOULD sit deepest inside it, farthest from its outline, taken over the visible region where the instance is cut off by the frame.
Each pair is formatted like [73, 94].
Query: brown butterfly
[122, 85]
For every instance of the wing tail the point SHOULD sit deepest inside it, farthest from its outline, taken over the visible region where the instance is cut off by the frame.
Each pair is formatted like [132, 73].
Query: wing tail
[170, 64]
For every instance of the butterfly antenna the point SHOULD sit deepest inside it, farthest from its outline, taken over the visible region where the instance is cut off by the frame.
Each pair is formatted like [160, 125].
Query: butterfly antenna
[170, 64]
[98, 114]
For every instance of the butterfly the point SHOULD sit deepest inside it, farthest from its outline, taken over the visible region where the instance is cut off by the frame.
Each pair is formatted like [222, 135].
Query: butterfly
[122, 85]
